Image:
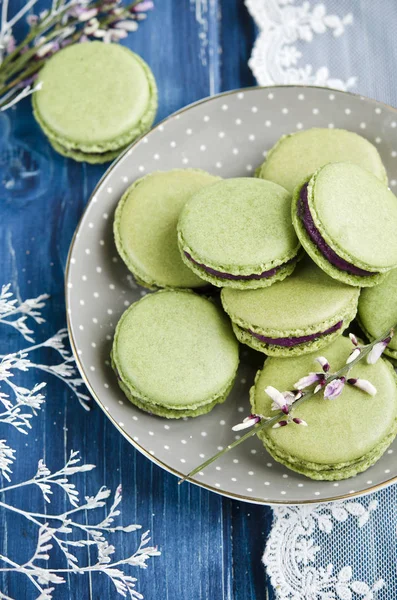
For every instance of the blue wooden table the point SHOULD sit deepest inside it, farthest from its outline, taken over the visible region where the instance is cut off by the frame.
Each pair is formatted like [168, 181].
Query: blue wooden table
[210, 546]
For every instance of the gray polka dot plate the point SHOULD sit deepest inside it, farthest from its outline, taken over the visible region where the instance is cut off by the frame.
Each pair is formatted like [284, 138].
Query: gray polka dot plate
[227, 135]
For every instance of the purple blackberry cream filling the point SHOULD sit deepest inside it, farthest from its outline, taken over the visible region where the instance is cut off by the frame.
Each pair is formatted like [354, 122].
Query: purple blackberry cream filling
[231, 277]
[307, 220]
[289, 342]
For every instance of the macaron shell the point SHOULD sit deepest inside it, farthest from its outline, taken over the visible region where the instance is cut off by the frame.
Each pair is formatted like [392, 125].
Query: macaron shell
[344, 436]
[243, 284]
[377, 310]
[94, 158]
[318, 257]
[297, 156]
[169, 413]
[239, 226]
[175, 349]
[145, 226]
[306, 302]
[95, 97]
[356, 214]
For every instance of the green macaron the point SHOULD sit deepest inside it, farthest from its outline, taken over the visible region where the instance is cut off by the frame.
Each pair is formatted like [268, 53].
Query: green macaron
[346, 220]
[94, 100]
[145, 227]
[175, 354]
[301, 314]
[344, 436]
[238, 233]
[298, 155]
[377, 311]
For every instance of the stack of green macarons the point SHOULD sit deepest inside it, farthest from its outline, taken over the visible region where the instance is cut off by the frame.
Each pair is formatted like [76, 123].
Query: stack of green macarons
[294, 251]
[94, 100]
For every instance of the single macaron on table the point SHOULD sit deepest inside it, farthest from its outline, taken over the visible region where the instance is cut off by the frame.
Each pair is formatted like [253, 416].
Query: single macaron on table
[94, 100]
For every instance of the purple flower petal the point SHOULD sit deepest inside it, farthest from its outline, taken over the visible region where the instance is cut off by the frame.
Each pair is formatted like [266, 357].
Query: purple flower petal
[334, 388]
[308, 380]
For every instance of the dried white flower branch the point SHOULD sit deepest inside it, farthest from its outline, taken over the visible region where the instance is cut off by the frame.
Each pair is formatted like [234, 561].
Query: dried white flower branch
[57, 529]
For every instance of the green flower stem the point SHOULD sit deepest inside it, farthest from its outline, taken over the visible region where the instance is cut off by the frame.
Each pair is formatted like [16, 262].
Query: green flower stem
[265, 424]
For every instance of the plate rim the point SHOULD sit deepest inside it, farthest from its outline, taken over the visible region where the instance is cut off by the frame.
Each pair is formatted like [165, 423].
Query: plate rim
[141, 449]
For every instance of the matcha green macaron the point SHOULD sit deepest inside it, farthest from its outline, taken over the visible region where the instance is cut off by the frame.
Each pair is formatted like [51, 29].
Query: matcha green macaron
[301, 314]
[175, 354]
[346, 220]
[145, 227]
[298, 155]
[377, 311]
[238, 233]
[94, 100]
[344, 436]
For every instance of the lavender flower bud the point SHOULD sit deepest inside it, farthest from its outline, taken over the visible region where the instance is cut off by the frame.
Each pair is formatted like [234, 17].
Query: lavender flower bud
[334, 388]
[377, 351]
[353, 339]
[299, 421]
[307, 381]
[353, 355]
[247, 422]
[324, 363]
[280, 424]
[364, 385]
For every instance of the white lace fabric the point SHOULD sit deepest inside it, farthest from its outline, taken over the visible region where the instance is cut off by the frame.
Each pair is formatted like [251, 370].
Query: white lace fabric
[341, 550]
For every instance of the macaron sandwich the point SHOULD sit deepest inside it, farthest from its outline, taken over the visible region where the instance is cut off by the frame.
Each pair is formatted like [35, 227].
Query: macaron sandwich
[238, 233]
[298, 155]
[175, 354]
[95, 99]
[346, 220]
[344, 436]
[301, 314]
[145, 227]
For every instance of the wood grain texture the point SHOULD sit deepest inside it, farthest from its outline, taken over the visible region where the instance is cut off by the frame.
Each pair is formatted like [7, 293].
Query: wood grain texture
[211, 546]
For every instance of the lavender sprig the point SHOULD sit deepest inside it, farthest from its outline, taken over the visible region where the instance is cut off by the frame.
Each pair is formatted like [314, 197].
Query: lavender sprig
[333, 382]
[66, 23]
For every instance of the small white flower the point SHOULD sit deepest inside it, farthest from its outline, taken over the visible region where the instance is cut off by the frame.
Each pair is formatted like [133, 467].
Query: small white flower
[353, 339]
[247, 422]
[353, 355]
[364, 385]
[127, 25]
[377, 351]
[281, 400]
[88, 14]
[324, 363]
